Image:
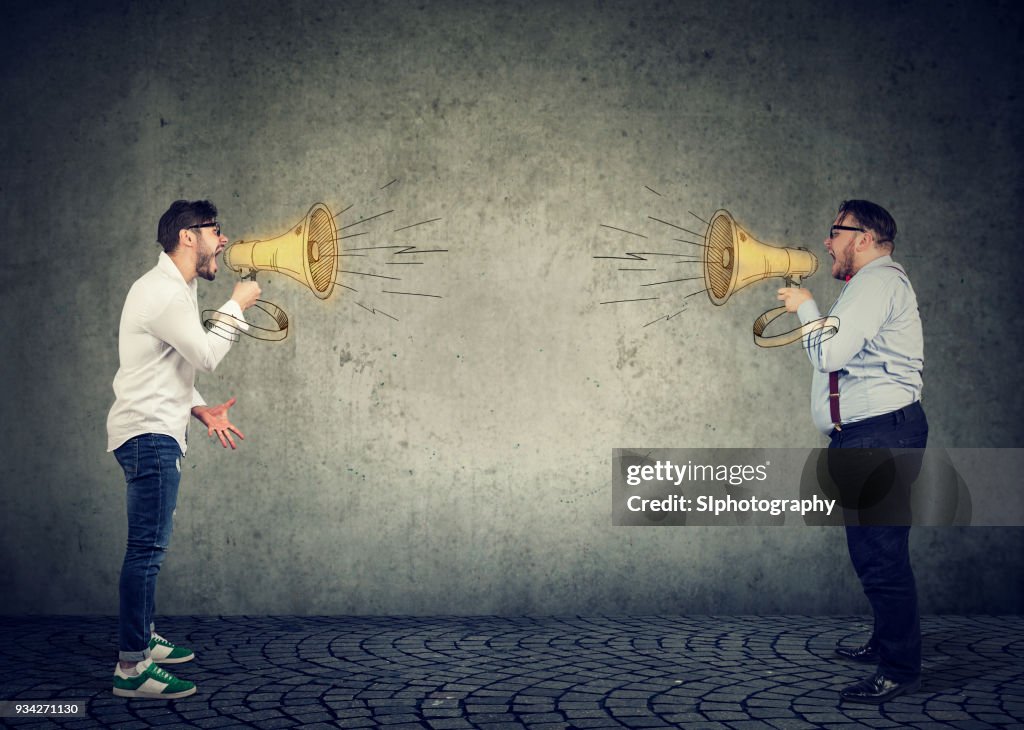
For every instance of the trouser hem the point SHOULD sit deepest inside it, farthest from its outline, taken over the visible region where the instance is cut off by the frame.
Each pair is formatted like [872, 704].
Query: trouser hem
[133, 656]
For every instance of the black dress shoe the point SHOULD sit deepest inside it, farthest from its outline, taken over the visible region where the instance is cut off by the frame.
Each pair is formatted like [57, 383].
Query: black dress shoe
[878, 689]
[867, 653]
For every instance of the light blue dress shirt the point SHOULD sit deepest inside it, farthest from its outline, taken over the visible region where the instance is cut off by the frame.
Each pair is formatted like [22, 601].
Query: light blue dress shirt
[879, 348]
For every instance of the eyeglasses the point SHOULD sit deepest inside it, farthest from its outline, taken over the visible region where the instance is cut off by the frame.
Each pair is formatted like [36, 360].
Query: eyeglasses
[833, 229]
[215, 226]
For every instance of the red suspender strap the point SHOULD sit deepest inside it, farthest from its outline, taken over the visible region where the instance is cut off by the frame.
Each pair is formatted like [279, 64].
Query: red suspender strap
[833, 399]
[833, 392]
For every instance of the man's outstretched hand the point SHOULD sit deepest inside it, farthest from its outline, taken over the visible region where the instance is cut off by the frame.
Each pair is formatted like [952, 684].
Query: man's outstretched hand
[216, 421]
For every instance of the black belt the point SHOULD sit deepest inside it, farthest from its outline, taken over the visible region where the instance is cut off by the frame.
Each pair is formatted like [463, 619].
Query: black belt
[907, 413]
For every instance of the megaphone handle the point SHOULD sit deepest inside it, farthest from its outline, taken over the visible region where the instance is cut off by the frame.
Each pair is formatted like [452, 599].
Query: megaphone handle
[251, 276]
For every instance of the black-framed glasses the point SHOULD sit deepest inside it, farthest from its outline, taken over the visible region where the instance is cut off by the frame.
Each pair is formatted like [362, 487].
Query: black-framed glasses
[833, 229]
[215, 226]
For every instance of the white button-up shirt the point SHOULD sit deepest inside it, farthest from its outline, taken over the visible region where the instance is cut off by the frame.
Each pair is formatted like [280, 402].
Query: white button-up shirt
[161, 345]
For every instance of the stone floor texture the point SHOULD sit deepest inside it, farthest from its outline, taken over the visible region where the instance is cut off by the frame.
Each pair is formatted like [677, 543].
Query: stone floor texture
[528, 672]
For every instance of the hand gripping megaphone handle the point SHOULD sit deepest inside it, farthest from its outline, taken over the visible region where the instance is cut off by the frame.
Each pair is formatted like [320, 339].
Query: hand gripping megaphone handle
[762, 322]
[227, 326]
[826, 327]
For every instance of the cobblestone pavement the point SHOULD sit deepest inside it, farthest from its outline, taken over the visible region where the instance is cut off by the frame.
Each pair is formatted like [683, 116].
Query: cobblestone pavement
[492, 673]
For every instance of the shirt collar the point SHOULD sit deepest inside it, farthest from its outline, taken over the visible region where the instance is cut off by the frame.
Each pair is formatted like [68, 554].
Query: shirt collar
[873, 263]
[167, 266]
[880, 261]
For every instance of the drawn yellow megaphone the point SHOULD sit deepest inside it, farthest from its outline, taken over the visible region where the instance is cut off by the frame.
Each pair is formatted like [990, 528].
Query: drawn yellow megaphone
[734, 259]
[307, 252]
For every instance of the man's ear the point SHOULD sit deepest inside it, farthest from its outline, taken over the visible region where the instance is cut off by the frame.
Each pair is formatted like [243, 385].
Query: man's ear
[185, 238]
[868, 240]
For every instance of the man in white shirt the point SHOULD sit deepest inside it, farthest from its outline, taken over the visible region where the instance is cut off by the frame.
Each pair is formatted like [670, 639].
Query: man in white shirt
[161, 345]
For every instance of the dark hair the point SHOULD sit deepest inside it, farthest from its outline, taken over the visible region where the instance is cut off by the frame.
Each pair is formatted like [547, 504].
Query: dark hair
[182, 214]
[873, 217]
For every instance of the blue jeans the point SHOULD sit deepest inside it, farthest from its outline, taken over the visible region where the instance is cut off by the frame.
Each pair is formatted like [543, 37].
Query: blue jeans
[880, 551]
[152, 471]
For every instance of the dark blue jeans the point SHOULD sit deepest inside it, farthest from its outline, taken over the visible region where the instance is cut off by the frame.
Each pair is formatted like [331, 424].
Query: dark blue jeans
[152, 471]
[880, 550]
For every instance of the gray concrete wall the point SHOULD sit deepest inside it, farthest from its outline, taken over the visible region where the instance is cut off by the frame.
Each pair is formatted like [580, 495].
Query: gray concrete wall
[454, 457]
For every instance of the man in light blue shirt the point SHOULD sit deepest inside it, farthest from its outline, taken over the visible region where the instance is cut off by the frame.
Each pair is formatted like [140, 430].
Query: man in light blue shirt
[865, 395]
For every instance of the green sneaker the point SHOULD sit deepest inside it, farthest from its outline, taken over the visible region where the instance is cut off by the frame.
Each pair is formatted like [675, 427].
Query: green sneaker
[164, 652]
[152, 682]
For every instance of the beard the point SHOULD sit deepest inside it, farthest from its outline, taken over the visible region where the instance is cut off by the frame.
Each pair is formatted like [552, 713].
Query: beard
[844, 264]
[203, 264]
